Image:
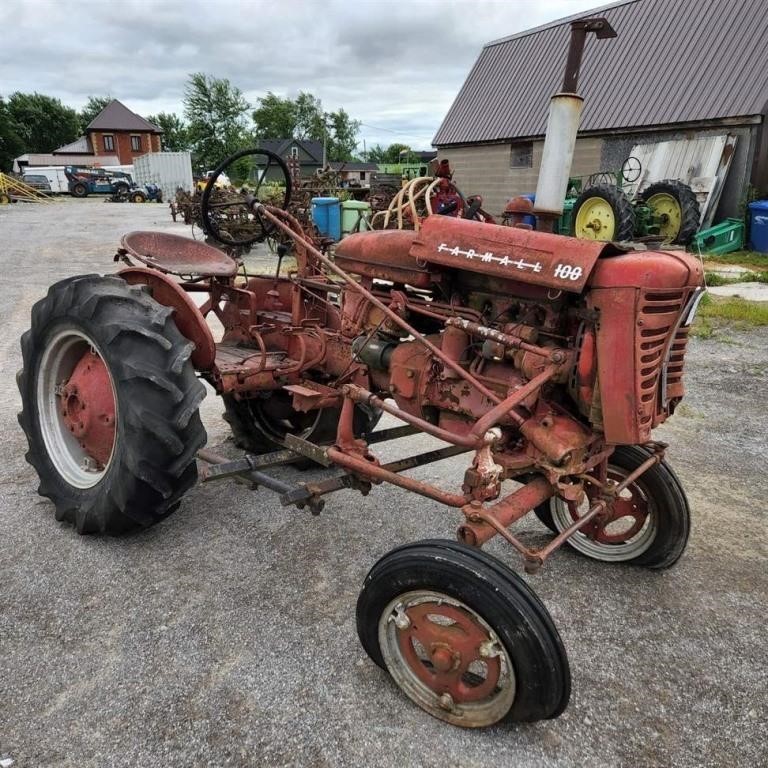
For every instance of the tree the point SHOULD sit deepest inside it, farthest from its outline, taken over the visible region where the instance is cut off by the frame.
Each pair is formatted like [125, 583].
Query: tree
[303, 118]
[11, 144]
[342, 138]
[376, 154]
[42, 122]
[275, 117]
[216, 112]
[175, 131]
[93, 106]
[397, 153]
[310, 118]
[390, 154]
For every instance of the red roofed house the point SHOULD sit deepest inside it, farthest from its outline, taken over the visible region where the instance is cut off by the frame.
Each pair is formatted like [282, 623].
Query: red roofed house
[114, 137]
[118, 131]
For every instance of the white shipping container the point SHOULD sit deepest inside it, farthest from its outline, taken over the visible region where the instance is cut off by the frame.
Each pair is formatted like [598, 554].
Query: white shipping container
[169, 170]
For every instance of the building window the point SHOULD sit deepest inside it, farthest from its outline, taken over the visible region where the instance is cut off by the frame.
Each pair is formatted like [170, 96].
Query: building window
[362, 175]
[295, 152]
[136, 143]
[521, 155]
[109, 143]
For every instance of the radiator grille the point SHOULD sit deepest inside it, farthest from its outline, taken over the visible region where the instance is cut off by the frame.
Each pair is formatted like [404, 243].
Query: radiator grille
[658, 318]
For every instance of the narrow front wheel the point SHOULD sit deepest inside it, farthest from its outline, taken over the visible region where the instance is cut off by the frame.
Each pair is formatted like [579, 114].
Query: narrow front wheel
[648, 523]
[463, 636]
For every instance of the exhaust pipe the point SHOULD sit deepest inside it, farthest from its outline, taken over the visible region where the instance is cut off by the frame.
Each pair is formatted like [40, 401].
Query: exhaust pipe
[562, 127]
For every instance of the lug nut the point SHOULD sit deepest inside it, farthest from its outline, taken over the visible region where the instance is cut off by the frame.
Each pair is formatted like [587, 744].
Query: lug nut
[446, 702]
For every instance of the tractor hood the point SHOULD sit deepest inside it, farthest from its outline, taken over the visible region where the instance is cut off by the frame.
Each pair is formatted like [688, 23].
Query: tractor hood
[537, 258]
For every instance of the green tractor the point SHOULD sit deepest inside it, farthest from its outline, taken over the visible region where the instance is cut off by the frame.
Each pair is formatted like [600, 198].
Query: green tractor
[666, 210]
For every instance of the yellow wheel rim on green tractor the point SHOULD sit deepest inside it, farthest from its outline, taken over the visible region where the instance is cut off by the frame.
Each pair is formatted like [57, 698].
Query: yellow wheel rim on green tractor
[666, 209]
[595, 220]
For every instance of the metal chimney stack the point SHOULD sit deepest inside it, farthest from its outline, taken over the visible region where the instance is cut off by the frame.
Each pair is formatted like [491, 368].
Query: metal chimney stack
[563, 125]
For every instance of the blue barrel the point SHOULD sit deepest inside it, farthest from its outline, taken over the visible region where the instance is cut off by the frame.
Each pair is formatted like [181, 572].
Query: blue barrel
[326, 214]
[530, 219]
[758, 230]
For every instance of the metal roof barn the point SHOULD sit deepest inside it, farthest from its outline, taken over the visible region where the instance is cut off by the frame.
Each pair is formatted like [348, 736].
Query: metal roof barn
[672, 63]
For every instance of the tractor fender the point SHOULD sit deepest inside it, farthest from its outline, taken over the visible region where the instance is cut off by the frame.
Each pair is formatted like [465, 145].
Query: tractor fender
[187, 316]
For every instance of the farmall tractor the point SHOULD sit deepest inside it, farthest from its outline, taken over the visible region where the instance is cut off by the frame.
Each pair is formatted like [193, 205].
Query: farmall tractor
[545, 360]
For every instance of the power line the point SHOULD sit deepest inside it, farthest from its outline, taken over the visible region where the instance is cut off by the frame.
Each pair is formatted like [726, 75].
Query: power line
[391, 130]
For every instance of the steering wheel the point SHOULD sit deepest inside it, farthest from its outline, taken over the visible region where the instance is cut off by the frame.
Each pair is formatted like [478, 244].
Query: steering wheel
[228, 214]
[631, 169]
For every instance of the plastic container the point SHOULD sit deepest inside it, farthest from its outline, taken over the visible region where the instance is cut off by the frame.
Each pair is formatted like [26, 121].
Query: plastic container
[725, 237]
[530, 219]
[354, 216]
[326, 214]
[758, 230]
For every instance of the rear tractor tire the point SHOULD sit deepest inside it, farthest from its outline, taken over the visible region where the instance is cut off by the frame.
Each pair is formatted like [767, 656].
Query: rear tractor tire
[651, 518]
[79, 190]
[110, 405]
[603, 212]
[674, 205]
[259, 424]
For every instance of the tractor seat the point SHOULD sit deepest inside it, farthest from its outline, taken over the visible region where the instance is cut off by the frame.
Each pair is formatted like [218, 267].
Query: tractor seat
[384, 255]
[178, 255]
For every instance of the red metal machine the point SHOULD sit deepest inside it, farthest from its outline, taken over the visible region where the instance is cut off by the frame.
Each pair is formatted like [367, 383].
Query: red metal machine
[547, 361]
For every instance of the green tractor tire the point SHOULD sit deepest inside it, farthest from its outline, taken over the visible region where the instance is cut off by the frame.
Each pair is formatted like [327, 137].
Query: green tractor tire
[603, 212]
[675, 208]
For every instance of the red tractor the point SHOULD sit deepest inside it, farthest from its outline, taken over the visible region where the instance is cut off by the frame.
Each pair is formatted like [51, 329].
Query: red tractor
[547, 360]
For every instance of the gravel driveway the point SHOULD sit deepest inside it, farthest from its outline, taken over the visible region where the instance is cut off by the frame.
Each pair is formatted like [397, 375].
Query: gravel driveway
[225, 636]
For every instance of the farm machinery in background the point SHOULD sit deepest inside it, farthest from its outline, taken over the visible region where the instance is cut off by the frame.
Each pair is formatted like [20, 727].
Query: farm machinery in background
[663, 211]
[118, 185]
[546, 361]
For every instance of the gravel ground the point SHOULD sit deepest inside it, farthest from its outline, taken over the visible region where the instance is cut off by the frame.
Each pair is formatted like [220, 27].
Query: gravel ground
[225, 636]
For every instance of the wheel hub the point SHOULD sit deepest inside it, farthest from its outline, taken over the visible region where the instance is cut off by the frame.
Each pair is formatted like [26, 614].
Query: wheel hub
[444, 658]
[444, 647]
[595, 220]
[87, 407]
[623, 518]
[668, 213]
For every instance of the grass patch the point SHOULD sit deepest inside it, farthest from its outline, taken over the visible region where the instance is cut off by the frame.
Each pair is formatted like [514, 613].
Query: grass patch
[714, 278]
[739, 258]
[715, 312]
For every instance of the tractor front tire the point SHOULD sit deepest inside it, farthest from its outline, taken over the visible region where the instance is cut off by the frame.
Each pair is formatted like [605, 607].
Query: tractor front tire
[138, 197]
[110, 405]
[675, 204]
[603, 212]
[656, 500]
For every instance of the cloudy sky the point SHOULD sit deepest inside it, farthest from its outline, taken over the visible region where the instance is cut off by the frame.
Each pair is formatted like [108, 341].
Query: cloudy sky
[395, 66]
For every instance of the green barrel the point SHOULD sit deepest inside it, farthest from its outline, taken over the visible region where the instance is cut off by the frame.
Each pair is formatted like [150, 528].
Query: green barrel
[355, 215]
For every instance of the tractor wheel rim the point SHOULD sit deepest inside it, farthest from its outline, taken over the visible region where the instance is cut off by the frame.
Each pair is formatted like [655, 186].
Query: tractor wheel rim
[77, 408]
[446, 658]
[667, 209]
[274, 417]
[626, 534]
[595, 220]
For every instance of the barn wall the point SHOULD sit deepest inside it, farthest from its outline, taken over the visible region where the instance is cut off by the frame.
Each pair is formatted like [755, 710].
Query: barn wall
[485, 169]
